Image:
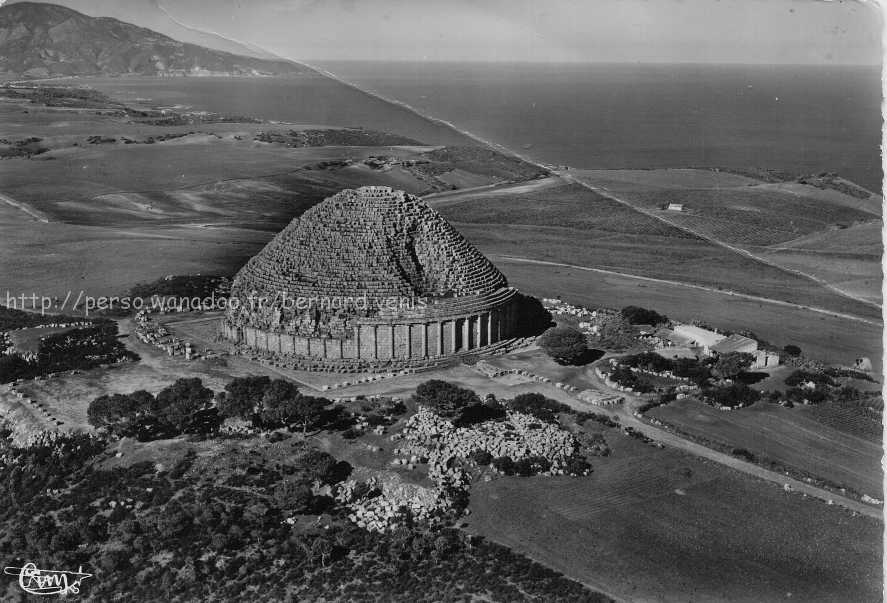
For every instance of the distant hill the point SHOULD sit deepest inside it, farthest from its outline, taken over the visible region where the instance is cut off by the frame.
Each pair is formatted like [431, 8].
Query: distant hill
[151, 14]
[44, 40]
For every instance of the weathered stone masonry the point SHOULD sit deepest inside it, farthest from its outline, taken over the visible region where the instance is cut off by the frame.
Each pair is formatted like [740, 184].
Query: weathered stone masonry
[363, 247]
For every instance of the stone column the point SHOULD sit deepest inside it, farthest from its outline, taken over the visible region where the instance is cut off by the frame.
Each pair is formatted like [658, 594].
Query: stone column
[489, 328]
[424, 340]
[393, 334]
[453, 334]
[466, 333]
[375, 342]
[440, 338]
[477, 331]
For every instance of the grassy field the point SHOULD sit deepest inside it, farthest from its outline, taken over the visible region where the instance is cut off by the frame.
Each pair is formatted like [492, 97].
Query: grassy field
[98, 217]
[656, 525]
[860, 239]
[55, 258]
[856, 273]
[828, 338]
[846, 419]
[833, 236]
[574, 225]
[786, 436]
[748, 215]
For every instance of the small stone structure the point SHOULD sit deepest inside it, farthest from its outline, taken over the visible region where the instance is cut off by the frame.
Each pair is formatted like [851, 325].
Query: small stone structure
[370, 277]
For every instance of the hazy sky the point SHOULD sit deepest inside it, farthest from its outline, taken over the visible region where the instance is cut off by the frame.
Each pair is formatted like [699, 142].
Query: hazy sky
[744, 31]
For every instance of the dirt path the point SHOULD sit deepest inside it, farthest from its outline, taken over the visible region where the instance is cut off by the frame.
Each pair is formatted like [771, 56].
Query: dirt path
[737, 250]
[650, 279]
[22, 207]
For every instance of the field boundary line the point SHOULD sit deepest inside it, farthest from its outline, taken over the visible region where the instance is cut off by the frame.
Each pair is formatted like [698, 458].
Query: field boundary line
[651, 279]
[737, 250]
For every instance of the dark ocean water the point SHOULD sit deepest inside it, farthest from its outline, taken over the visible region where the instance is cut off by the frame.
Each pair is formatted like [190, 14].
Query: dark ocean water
[801, 118]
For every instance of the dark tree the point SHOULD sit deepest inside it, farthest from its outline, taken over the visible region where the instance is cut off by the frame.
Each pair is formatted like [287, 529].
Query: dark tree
[731, 364]
[479, 413]
[735, 395]
[284, 405]
[243, 396]
[537, 405]
[107, 410]
[564, 344]
[180, 404]
[12, 367]
[641, 316]
[792, 350]
[446, 399]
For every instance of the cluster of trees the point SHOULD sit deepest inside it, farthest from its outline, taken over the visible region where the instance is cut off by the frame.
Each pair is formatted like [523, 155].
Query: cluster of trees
[227, 543]
[816, 377]
[695, 370]
[731, 364]
[625, 377]
[565, 344]
[735, 395]
[543, 408]
[186, 406]
[463, 406]
[636, 315]
[616, 335]
[445, 398]
[270, 404]
[78, 349]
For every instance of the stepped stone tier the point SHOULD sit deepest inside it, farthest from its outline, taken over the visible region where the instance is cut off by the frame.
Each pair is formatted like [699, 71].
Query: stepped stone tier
[367, 277]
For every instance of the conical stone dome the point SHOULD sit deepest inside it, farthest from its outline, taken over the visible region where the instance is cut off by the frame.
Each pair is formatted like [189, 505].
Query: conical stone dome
[371, 244]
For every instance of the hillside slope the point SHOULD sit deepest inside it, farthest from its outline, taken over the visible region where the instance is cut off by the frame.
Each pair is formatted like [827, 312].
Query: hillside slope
[45, 40]
[153, 15]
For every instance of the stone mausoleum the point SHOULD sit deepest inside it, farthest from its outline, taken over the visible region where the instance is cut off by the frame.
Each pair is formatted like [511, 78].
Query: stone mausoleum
[368, 277]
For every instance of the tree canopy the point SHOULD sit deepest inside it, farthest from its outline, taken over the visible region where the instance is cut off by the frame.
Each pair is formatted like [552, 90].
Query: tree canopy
[731, 364]
[642, 316]
[564, 344]
[444, 398]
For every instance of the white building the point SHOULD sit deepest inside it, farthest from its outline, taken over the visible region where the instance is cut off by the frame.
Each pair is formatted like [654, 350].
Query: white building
[699, 337]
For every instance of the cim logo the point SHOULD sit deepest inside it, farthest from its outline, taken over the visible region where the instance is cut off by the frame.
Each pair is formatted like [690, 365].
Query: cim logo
[36, 581]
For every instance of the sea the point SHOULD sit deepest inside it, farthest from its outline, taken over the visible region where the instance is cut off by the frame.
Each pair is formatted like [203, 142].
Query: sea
[801, 119]
[795, 118]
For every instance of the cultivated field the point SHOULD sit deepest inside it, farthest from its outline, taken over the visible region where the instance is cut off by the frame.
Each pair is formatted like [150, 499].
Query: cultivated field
[838, 233]
[786, 436]
[749, 215]
[657, 525]
[858, 274]
[846, 419]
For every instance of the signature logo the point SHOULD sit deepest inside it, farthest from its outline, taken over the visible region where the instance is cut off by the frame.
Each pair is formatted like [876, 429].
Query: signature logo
[47, 582]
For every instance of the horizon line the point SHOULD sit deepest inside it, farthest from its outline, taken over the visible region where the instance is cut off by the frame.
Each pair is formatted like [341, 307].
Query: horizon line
[585, 62]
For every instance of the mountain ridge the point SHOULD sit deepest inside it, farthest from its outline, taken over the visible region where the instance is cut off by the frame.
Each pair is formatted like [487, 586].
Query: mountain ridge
[41, 40]
[156, 17]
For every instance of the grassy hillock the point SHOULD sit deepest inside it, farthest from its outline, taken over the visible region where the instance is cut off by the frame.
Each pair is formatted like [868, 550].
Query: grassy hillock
[479, 160]
[344, 137]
